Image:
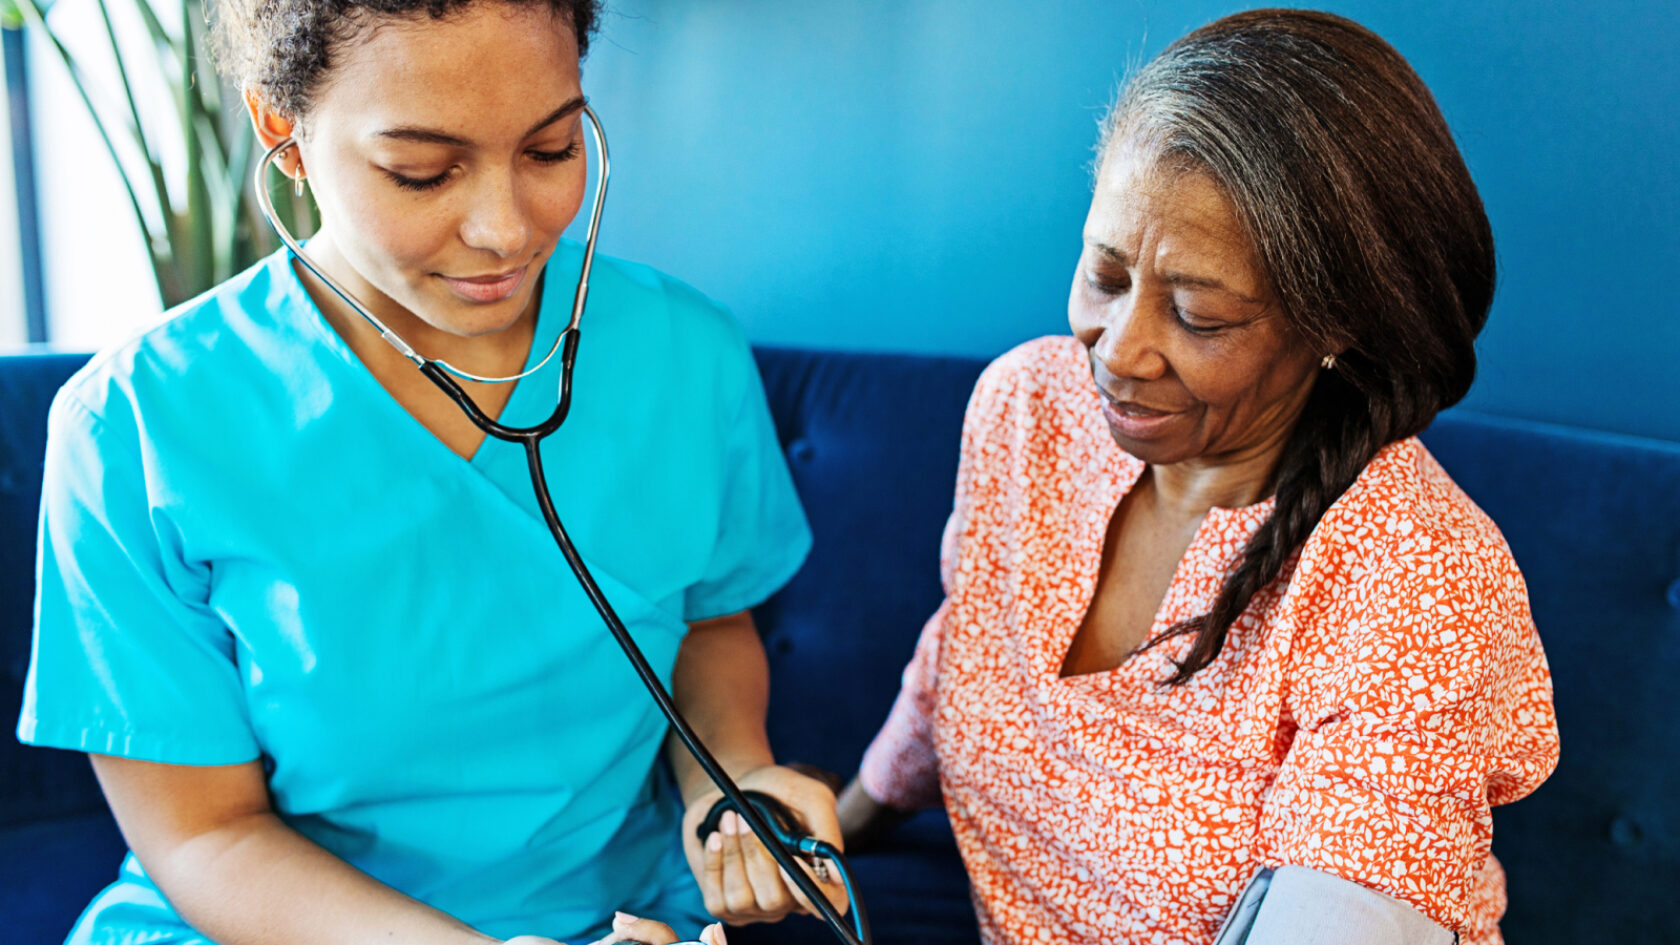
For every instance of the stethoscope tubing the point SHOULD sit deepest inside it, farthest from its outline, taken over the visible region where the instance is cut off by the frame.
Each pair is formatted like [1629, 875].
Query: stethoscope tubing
[444, 377]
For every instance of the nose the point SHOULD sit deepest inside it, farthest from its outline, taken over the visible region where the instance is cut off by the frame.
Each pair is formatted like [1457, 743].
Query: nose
[497, 218]
[1128, 337]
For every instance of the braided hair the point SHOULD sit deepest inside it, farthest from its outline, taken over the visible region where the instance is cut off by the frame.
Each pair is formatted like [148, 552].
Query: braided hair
[1347, 182]
[285, 48]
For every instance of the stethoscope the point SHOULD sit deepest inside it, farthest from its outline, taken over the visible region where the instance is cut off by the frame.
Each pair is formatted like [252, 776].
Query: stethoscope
[768, 818]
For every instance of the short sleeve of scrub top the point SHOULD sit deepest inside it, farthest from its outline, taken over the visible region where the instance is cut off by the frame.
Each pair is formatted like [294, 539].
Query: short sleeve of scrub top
[249, 551]
[165, 688]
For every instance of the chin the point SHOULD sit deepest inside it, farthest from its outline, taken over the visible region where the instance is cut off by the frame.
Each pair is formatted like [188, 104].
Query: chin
[1154, 452]
[466, 320]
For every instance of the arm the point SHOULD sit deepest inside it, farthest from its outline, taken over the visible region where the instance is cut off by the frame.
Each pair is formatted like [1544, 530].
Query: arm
[721, 684]
[1422, 698]
[210, 840]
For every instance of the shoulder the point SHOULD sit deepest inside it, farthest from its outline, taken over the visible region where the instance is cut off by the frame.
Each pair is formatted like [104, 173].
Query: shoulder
[1043, 367]
[651, 319]
[1405, 572]
[657, 300]
[162, 360]
[1405, 513]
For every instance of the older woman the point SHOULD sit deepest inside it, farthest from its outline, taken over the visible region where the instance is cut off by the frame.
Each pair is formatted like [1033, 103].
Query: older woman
[1222, 643]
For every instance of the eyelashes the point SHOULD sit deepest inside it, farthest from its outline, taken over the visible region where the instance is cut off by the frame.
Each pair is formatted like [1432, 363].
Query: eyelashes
[414, 183]
[1185, 320]
[421, 184]
[557, 157]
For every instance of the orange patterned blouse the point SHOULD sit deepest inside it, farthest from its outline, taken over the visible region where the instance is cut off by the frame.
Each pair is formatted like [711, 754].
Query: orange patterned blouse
[1367, 709]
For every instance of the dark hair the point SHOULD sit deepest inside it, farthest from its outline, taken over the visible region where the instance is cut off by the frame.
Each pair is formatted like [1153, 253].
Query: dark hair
[1349, 186]
[283, 48]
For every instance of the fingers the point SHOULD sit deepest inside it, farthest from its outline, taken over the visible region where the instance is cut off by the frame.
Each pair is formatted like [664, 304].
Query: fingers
[770, 886]
[743, 883]
[739, 888]
[740, 880]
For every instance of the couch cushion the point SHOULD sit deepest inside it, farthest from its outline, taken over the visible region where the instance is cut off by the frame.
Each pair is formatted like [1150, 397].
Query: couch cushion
[50, 870]
[38, 783]
[872, 442]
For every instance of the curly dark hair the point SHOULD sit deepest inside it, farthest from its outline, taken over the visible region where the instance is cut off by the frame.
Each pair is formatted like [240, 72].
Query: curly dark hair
[1348, 184]
[283, 48]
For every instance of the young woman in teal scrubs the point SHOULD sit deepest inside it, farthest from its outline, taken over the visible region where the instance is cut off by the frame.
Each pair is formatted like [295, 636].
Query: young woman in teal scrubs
[336, 680]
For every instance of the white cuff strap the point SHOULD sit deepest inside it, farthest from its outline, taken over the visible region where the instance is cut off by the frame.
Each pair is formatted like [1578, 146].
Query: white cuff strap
[1294, 905]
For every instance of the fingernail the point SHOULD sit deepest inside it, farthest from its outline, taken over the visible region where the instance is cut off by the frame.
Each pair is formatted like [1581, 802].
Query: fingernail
[623, 919]
[732, 823]
[713, 935]
[714, 842]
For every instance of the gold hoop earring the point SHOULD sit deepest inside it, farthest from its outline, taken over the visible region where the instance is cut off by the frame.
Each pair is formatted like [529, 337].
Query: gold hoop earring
[1329, 362]
[297, 182]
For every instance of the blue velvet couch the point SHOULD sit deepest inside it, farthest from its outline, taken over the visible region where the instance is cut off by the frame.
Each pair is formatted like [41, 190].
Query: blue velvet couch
[1594, 521]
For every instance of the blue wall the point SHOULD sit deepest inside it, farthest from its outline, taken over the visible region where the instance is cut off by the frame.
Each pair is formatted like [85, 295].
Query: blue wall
[912, 176]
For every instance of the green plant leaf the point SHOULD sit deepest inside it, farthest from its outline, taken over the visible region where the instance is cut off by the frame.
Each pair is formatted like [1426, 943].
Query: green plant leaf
[206, 227]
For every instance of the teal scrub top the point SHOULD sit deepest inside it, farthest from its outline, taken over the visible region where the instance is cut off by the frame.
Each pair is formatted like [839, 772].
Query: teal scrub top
[250, 551]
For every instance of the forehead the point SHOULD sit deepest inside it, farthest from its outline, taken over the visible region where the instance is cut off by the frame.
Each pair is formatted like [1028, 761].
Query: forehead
[488, 66]
[1179, 209]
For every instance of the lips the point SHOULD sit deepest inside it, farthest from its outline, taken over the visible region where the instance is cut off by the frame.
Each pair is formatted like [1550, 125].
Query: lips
[486, 288]
[1132, 409]
[1134, 420]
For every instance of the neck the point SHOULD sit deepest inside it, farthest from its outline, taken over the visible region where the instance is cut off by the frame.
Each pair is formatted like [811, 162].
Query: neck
[1228, 481]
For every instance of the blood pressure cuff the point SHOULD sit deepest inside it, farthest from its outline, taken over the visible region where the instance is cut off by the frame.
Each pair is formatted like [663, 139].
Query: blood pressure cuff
[1295, 905]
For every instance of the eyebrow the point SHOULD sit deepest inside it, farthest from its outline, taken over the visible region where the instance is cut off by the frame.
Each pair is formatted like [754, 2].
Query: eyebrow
[433, 136]
[1174, 278]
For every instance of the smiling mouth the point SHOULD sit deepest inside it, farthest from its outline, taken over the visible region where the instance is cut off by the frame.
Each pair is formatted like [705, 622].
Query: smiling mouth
[1131, 409]
[1135, 421]
[490, 288]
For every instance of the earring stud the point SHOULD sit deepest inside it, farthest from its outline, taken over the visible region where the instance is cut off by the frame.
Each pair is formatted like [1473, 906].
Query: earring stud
[1329, 362]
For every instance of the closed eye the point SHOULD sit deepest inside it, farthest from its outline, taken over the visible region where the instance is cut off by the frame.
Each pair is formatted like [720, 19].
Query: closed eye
[1105, 287]
[1190, 324]
[556, 157]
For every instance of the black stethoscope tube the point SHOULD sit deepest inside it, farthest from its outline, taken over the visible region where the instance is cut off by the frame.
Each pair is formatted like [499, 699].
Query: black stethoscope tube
[771, 834]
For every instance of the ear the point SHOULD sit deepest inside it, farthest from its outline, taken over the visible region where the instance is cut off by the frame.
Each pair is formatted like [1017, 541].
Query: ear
[272, 127]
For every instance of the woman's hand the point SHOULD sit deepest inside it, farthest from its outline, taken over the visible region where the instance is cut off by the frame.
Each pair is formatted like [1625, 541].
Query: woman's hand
[628, 928]
[739, 879]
